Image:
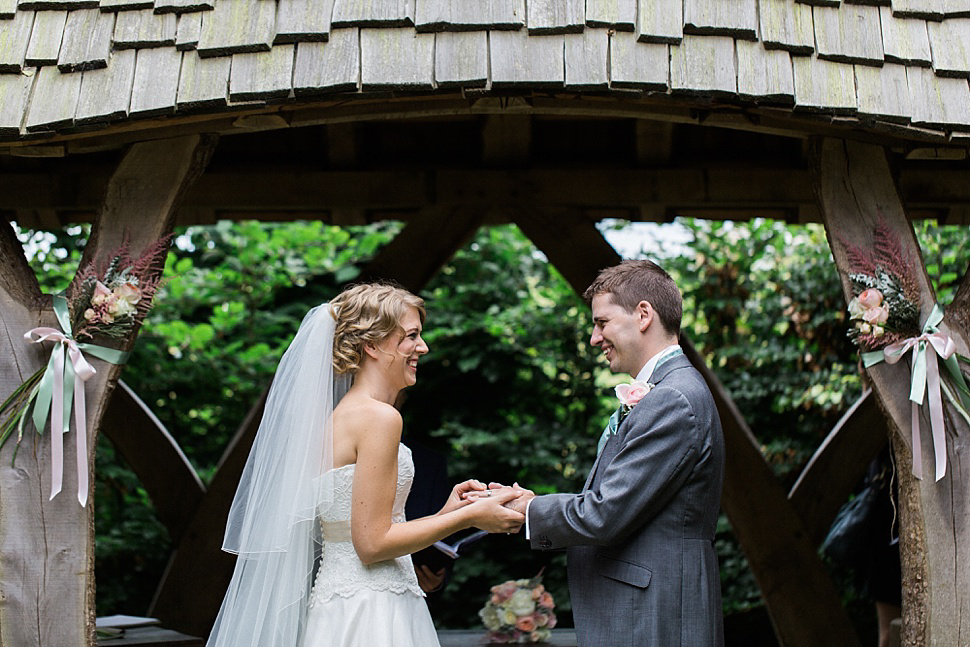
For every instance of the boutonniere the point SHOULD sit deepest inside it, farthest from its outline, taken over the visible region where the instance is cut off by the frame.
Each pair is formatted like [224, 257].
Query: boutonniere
[630, 394]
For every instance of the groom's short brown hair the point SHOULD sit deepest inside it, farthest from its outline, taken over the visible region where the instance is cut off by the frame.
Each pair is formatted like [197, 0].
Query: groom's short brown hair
[631, 282]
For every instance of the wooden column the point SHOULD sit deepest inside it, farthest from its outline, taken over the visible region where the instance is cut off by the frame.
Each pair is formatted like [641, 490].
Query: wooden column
[47, 547]
[792, 579]
[855, 191]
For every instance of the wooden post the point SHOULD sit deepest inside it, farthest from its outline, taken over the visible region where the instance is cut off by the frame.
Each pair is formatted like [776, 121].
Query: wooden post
[855, 191]
[47, 547]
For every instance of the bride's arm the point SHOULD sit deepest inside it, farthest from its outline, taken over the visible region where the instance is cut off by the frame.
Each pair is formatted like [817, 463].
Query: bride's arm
[375, 538]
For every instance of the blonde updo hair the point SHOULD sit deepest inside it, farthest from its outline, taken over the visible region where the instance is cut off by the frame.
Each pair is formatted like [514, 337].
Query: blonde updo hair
[368, 314]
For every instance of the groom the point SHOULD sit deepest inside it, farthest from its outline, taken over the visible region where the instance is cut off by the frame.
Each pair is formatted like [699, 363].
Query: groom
[640, 536]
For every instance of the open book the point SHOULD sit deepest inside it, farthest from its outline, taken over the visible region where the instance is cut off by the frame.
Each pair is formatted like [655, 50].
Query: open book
[453, 550]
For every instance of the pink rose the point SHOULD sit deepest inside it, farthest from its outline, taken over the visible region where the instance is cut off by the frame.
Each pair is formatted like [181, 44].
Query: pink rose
[630, 394]
[551, 623]
[876, 315]
[525, 623]
[545, 600]
[870, 298]
[101, 294]
[128, 292]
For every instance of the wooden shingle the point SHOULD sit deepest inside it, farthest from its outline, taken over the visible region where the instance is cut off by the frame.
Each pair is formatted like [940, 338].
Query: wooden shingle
[764, 75]
[203, 82]
[126, 5]
[333, 66]
[660, 21]
[822, 85]
[14, 93]
[615, 14]
[787, 25]
[950, 45]
[703, 65]
[303, 21]
[850, 34]
[396, 59]
[736, 18]
[106, 93]
[56, 5]
[905, 40]
[258, 76]
[183, 6]
[45, 38]
[556, 16]
[372, 13]
[936, 100]
[461, 15]
[189, 29]
[54, 99]
[520, 59]
[87, 41]
[587, 66]
[883, 93]
[144, 28]
[643, 66]
[461, 58]
[14, 39]
[820, 3]
[8, 9]
[156, 81]
[926, 9]
[235, 27]
[956, 8]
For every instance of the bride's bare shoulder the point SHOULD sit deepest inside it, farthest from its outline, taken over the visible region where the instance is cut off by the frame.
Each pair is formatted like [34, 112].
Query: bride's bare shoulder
[361, 413]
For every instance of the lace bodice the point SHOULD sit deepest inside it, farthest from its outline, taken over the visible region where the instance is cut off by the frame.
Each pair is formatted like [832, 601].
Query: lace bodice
[341, 572]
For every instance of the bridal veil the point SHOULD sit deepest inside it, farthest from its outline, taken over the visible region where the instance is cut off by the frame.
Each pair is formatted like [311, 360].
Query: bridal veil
[271, 526]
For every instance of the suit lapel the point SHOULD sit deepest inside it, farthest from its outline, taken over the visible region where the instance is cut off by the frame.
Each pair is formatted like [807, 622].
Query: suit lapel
[656, 378]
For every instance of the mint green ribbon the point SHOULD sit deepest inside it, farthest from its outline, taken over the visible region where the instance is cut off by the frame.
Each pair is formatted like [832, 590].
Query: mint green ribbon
[925, 380]
[61, 388]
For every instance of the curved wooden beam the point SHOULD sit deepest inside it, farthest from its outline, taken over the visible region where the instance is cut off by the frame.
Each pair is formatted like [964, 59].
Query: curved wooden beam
[156, 458]
[793, 580]
[838, 465]
[195, 581]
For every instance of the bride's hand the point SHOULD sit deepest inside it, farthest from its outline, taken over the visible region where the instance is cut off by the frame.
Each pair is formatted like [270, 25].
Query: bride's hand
[489, 512]
[460, 494]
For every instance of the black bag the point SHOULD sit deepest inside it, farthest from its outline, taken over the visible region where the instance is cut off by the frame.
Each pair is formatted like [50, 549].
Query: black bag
[849, 538]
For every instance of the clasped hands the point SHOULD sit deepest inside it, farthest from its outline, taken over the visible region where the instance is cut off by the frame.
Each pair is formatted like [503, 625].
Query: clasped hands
[506, 502]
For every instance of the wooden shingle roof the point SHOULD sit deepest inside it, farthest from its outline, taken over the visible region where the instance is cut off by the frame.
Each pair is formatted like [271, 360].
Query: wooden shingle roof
[886, 66]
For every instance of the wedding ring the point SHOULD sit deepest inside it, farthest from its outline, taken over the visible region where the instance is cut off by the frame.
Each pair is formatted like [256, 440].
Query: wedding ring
[488, 492]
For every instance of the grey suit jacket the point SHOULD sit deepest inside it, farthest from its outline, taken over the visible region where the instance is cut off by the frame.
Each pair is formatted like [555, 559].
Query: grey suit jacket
[640, 536]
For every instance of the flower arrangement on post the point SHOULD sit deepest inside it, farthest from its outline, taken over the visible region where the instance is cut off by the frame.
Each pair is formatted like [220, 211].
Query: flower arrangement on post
[106, 301]
[519, 611]
[885, 320]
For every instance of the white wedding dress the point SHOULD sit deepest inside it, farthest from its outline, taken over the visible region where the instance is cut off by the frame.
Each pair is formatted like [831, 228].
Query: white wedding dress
[353, 604]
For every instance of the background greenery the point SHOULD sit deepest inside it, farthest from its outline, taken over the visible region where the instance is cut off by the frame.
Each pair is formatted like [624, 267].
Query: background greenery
[511, 391]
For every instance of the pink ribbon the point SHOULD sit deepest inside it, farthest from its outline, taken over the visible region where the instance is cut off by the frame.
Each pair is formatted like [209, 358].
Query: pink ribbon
[59, 426]
[925, 376]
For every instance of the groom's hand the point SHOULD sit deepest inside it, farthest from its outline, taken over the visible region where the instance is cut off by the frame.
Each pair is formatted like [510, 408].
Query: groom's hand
[521, 502]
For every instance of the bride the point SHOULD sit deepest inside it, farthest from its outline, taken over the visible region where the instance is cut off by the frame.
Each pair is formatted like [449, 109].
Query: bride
[318, 518]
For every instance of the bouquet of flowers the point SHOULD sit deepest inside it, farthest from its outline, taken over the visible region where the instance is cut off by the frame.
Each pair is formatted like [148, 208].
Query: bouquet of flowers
[519, 611]
[884, 309]
[105, 301]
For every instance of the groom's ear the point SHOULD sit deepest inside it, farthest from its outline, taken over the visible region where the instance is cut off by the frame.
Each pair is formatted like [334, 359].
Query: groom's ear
[645, 314]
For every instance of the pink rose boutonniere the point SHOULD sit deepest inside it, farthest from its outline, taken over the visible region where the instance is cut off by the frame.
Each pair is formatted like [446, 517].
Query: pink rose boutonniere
[630, 394]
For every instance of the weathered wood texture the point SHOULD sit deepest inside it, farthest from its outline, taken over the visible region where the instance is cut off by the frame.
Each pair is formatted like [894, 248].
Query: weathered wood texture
[856, 191]
[47, 547]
